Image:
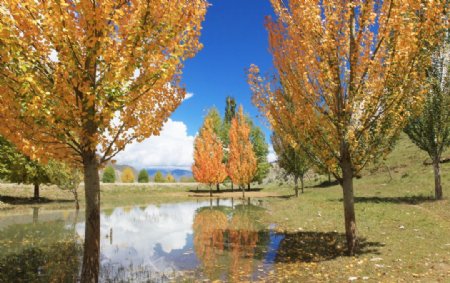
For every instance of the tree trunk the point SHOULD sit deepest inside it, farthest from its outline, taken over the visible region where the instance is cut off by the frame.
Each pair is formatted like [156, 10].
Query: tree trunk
[248, 186]
[90, 270]
[210, 190]
[302, 182]
[437, 179]
[296, 185]
[349, 208]
[218, 187]
[243, 190]
[232, 186]
[75, 196]
[36, 191]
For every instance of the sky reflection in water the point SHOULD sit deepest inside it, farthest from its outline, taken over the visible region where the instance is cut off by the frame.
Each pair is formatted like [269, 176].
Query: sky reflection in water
[203, 239]
[159, 241]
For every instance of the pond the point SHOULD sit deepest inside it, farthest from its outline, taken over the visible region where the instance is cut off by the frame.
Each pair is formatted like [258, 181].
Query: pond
[203, 239]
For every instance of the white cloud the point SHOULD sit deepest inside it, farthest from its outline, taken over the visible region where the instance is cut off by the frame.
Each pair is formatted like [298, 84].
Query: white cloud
[272, 156]
[173, 148]
[188, 95]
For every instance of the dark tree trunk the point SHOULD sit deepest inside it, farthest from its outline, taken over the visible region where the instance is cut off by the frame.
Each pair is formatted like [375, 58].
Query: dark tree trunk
[437, 179]
[329, 178]
[232, 186]
[210, 190]
[296, 185]
[248, 186]
[302, 182]
[90, 270]
[36, 191]
[349, 208]
[218, 187]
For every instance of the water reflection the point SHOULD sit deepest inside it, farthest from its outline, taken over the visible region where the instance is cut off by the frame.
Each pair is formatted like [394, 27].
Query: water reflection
[222, 240]
[33, 251]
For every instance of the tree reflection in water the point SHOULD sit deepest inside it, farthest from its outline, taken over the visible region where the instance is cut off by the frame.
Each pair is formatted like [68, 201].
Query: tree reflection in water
[46, 251]
[229, 242]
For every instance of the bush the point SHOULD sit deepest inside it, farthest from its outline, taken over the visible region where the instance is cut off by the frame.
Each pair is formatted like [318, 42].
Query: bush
[109, 175]
[159, 178]
[127, 175]
[170, 178]
[143, 176]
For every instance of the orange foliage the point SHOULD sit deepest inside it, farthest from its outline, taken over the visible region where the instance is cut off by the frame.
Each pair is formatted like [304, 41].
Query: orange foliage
[242, 159]
[243, 238]
[208, 155]
[78, 76]
[350, 73]
[209, 241]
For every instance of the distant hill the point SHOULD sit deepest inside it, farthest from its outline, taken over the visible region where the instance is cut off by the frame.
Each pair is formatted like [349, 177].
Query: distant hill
[177, 173]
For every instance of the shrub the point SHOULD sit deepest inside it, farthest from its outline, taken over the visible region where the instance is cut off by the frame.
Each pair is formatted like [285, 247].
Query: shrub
[127, 175]
[143, 176]
[159, 178]
[109, 175]
[170, 178]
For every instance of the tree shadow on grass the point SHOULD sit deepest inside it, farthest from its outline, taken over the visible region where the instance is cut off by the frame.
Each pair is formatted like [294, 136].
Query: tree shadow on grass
[418, 199]
[326, 184]
[319, 246]
[27, 200]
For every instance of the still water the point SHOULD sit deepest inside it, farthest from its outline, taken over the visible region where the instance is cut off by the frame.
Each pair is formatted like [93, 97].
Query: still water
[199, 240]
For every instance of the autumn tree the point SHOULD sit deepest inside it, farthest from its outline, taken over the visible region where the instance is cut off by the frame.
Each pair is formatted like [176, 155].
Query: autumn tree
[217, 124]
[349, 74]
[293, 160]
[159, 178]
[109, 175]
[242, 163]
[143, 176]
[18, 168]
[127, 175]
[79, 80]
[430, 130]
[170, 178]
[208, 167]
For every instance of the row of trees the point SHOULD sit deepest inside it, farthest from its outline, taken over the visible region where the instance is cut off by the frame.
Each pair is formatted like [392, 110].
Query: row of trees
[18, 168]
[233, 148]
[350, 76]
[127, 176]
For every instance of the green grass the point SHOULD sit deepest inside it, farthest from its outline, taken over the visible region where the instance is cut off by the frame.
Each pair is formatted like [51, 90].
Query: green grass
[408, 232]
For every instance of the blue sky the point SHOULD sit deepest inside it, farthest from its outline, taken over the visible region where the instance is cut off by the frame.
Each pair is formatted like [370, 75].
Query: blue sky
[234, 37]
